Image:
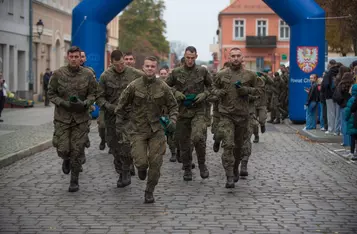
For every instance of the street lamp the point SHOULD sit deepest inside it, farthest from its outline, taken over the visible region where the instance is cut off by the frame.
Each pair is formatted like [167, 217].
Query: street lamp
[39, 26]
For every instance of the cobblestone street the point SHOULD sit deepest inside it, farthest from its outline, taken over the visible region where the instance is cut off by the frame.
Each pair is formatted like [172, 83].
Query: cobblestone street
[293, 186]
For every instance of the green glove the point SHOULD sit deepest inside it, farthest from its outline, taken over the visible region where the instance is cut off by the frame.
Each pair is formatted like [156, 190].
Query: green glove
[179, 96]
[200, 97]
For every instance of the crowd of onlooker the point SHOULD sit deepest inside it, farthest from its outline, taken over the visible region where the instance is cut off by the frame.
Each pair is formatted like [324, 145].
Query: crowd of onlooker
[333, 97]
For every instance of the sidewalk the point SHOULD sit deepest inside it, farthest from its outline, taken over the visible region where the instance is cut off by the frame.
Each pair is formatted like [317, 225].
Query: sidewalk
[25, 132]
[331, 142]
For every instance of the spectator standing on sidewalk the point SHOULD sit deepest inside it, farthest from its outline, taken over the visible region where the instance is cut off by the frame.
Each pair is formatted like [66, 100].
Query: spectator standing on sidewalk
[321, 107]
[351, 118]
[311, 103]
[45, 82]
[3, 94]
[327, 88]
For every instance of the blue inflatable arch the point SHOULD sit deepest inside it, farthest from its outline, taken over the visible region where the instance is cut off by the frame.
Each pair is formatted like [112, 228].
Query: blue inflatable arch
[307, 40]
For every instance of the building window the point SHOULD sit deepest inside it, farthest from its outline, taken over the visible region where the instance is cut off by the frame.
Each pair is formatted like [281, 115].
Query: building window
[22, 8]
[284, 33]
[262, 28]
[239, 29]
[10, 9]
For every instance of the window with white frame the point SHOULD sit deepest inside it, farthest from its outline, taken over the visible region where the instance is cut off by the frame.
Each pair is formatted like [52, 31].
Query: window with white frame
[262, 28]
[284, 33]
[239, 28]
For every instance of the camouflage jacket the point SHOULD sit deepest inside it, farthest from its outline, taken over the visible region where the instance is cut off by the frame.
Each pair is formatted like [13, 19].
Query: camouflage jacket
[262, 101]
[112, 84]
[232, 104]
[148, 99]
[190, 81]
[66, 82]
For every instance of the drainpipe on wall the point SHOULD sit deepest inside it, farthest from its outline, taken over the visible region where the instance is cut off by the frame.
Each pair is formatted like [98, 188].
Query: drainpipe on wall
[30, 75]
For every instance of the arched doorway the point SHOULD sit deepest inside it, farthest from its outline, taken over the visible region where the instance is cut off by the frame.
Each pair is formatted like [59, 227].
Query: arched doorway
[305, 18]
[58, 55]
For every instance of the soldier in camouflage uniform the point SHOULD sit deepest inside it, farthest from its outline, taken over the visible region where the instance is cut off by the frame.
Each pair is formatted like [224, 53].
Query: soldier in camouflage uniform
[111, 84]
[147, 96]
[268, 90]
[189, 83]
[100, 120]
[130, 61]
[233, 85]
[283, 99]
[164, 73]
[72, 89]
[215, 118]
[275, 104]
[260, 110]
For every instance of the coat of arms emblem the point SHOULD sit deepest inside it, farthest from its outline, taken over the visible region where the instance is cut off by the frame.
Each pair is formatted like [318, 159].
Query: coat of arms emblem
[307, 58]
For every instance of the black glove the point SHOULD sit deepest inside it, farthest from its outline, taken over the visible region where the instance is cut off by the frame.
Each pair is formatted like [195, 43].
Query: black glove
[171, 127]
[79, 106]
[66, 105]
[243, 91]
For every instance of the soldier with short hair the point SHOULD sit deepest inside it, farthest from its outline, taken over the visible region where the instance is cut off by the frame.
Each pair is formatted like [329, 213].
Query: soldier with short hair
[129, 59]
[111, 85]
[191, 85]
[233, 86]
[72, 89]
[147, 96]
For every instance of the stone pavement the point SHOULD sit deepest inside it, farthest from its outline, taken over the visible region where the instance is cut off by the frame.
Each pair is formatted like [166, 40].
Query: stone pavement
[294, 186]
[24, 131]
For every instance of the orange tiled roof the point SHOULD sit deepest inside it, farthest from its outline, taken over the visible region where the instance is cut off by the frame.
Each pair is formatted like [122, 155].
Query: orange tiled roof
[247, 6]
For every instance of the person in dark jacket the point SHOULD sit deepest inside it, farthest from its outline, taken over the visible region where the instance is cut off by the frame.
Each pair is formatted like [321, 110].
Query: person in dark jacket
[311, 103]
[341, 97]
[45, 82]
[351, 118]
[327, 89]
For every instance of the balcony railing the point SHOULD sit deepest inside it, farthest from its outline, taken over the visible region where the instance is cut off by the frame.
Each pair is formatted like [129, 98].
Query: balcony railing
[260, 42]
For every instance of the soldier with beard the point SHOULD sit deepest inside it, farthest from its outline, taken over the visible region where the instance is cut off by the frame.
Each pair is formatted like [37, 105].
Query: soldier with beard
[189, 83]
[111, 85]
[72, 89]
[233, 87]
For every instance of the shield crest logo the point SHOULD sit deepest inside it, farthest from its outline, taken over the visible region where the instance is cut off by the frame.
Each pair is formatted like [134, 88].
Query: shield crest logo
[307, 58]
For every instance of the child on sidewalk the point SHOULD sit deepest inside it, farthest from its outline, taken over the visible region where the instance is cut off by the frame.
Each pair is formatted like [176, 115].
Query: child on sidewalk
[311, 104]
[351, 118]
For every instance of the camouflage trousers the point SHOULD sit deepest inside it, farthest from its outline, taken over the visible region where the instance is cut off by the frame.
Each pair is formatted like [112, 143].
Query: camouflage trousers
[148, 150]
[261, 115]
[208, 115]
[192, 132]
[101, 125]
[70, 141]
[171, 142]
[119, 144]
[275, 112]
[214, 128]
[233, 133]
[247, 144]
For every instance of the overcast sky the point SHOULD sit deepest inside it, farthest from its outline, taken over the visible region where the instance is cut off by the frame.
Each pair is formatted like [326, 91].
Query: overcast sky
[194, 22]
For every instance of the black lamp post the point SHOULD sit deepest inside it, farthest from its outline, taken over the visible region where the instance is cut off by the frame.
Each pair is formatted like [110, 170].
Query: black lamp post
[39, 26]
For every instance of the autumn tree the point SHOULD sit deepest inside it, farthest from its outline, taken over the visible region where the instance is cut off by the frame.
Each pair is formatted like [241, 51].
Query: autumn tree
[142, 29]
[341, 33]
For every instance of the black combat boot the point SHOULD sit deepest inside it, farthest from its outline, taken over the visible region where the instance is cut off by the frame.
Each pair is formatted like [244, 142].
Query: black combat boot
[102, 137]
[236, 175]
[126, 178]
[120, 181]
[256, 139]
[262, 128]
[132, 170]
[204, 173]
[178, 156]
[142, 174]
[230, 182]
[87, 145]
[244, 168]
[216, 146]
[73, 186]
[66, 166]
[187, 175]
[173, 157]
[149, 197]
[193, 166]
